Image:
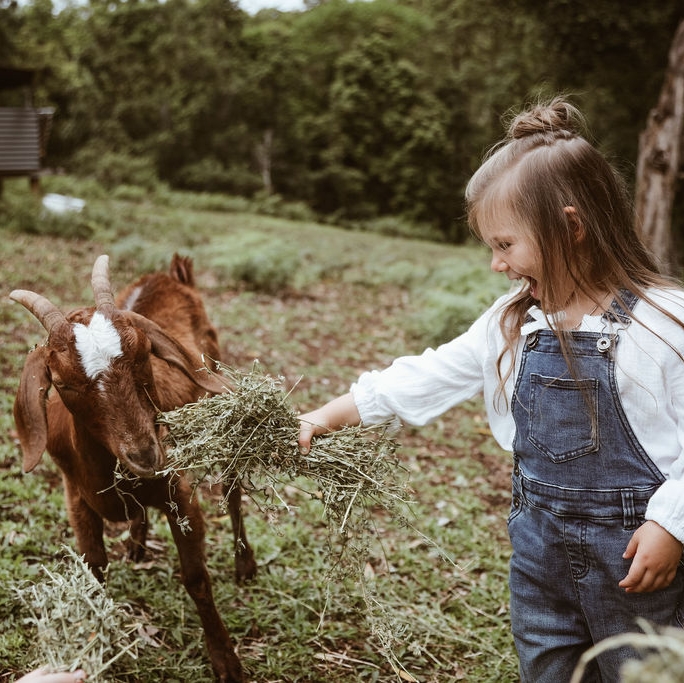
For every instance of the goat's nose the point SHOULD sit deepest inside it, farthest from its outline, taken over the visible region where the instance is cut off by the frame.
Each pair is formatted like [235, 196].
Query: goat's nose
[145, 461]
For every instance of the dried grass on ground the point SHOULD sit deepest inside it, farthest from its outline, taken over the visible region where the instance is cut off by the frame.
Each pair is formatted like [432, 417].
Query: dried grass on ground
[77, 624]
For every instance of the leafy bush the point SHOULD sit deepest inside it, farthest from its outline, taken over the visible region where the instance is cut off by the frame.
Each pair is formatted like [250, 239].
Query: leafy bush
[131, 193]
[69, 225]
[271, 269]
[203, 201]
[112, 169]
[444, 315]
[135, 254]
[396, 226]
[257, 261]
[25, 214]
[398, 272]
[19, 214]
[275, 205]
[73, 186]
[454, 294]
[210, 175]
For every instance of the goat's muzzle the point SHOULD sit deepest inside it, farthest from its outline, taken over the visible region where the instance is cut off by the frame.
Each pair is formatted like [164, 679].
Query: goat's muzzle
[144, 462]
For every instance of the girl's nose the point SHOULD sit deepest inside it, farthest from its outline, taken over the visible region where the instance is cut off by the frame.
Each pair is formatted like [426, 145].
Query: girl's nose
[498, 265]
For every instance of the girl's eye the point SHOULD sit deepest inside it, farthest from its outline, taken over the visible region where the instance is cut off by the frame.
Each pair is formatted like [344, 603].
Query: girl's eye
[504, 246]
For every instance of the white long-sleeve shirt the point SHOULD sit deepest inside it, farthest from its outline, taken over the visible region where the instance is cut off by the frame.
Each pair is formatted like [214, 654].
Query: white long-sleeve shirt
[649, 374]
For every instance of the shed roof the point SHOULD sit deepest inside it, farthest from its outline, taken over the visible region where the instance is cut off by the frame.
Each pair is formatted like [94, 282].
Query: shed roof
[19, 141]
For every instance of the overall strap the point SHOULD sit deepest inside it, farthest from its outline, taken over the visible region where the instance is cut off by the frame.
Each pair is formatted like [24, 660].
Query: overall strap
[617, 313]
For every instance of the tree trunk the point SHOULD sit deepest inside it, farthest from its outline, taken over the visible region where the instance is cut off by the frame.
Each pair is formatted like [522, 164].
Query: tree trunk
[660, 156]
[263, 153]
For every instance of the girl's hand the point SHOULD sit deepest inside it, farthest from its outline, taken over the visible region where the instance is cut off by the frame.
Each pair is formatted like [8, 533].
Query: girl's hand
[42, 676]
[339, 412]
[656, 554]
[311, 425]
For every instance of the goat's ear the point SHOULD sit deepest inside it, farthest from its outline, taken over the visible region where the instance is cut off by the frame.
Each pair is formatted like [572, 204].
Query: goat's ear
[30, 414]
[172, 352]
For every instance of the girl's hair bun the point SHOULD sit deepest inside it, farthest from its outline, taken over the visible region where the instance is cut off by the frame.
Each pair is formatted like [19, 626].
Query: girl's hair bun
[558, 118]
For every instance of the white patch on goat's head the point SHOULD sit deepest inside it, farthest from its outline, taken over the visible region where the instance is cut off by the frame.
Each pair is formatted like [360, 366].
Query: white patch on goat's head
[97, 344]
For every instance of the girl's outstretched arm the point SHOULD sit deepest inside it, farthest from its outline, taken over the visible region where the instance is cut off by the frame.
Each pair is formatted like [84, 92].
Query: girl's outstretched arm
[656, 554]
[340, 412]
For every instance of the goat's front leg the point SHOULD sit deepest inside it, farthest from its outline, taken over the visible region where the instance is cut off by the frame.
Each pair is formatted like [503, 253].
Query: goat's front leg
[138, 536]
[245, 564]
[88, 528]
[195, 577]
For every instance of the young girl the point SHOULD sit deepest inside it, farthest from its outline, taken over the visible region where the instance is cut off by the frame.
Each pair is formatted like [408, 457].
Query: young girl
[582, 374]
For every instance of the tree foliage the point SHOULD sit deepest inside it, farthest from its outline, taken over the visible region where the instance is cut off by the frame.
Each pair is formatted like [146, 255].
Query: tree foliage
[361, 109]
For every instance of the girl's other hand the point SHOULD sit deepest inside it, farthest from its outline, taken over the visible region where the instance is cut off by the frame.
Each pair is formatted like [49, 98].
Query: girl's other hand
[43, 676]
[656, 554]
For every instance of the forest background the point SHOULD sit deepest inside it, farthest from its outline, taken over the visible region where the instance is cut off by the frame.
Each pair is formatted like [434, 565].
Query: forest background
[351, 112]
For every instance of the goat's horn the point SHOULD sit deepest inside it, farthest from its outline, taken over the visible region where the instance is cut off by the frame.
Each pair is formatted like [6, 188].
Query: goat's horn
[44, 310]
[102, 289]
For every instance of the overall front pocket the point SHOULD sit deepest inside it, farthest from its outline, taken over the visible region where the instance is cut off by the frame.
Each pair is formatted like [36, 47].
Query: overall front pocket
[563, 418]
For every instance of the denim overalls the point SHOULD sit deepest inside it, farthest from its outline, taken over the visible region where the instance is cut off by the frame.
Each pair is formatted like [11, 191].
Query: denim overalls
[579, 493]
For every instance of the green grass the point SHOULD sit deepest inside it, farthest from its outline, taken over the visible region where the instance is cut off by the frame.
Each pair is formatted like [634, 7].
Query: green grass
[316, 305]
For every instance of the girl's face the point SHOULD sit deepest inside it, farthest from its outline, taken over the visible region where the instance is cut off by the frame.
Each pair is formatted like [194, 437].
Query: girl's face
[514, 253]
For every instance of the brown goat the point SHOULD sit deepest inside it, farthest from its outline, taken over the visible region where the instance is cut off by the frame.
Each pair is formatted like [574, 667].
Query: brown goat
[113, 367]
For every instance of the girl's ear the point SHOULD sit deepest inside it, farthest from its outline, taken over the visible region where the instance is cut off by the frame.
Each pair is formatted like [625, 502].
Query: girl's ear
[575, 223]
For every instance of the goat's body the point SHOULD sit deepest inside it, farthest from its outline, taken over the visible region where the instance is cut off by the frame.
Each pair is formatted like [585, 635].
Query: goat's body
[88, 446]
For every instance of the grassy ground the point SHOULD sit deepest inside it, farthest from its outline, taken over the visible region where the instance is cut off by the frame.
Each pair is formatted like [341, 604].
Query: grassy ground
[317, 306]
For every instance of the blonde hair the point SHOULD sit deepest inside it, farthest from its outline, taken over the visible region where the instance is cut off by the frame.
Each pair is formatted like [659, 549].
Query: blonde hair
[543, 165]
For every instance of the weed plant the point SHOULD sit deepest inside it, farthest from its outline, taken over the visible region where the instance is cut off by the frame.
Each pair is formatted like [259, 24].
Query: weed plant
[658, 655]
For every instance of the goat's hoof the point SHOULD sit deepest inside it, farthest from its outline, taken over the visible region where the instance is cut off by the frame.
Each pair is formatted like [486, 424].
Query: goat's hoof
[245, 568]
[232, 675]
[135, 552]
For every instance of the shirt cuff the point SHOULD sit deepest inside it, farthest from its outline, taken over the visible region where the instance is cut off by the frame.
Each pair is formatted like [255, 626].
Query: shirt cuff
[363, 393]
[666, 508]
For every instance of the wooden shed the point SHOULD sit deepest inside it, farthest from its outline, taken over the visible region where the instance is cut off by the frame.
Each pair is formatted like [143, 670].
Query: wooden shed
[24, 130]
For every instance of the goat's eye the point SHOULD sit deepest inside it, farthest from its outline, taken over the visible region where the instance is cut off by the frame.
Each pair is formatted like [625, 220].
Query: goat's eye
[62, 386]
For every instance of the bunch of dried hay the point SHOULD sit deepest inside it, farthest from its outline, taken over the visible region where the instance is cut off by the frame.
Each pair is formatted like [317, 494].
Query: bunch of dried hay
[77, 625]
[248, 436]
[663, 660]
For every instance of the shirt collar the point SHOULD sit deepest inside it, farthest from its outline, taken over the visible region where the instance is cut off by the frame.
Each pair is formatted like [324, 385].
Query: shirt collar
[538, 320]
